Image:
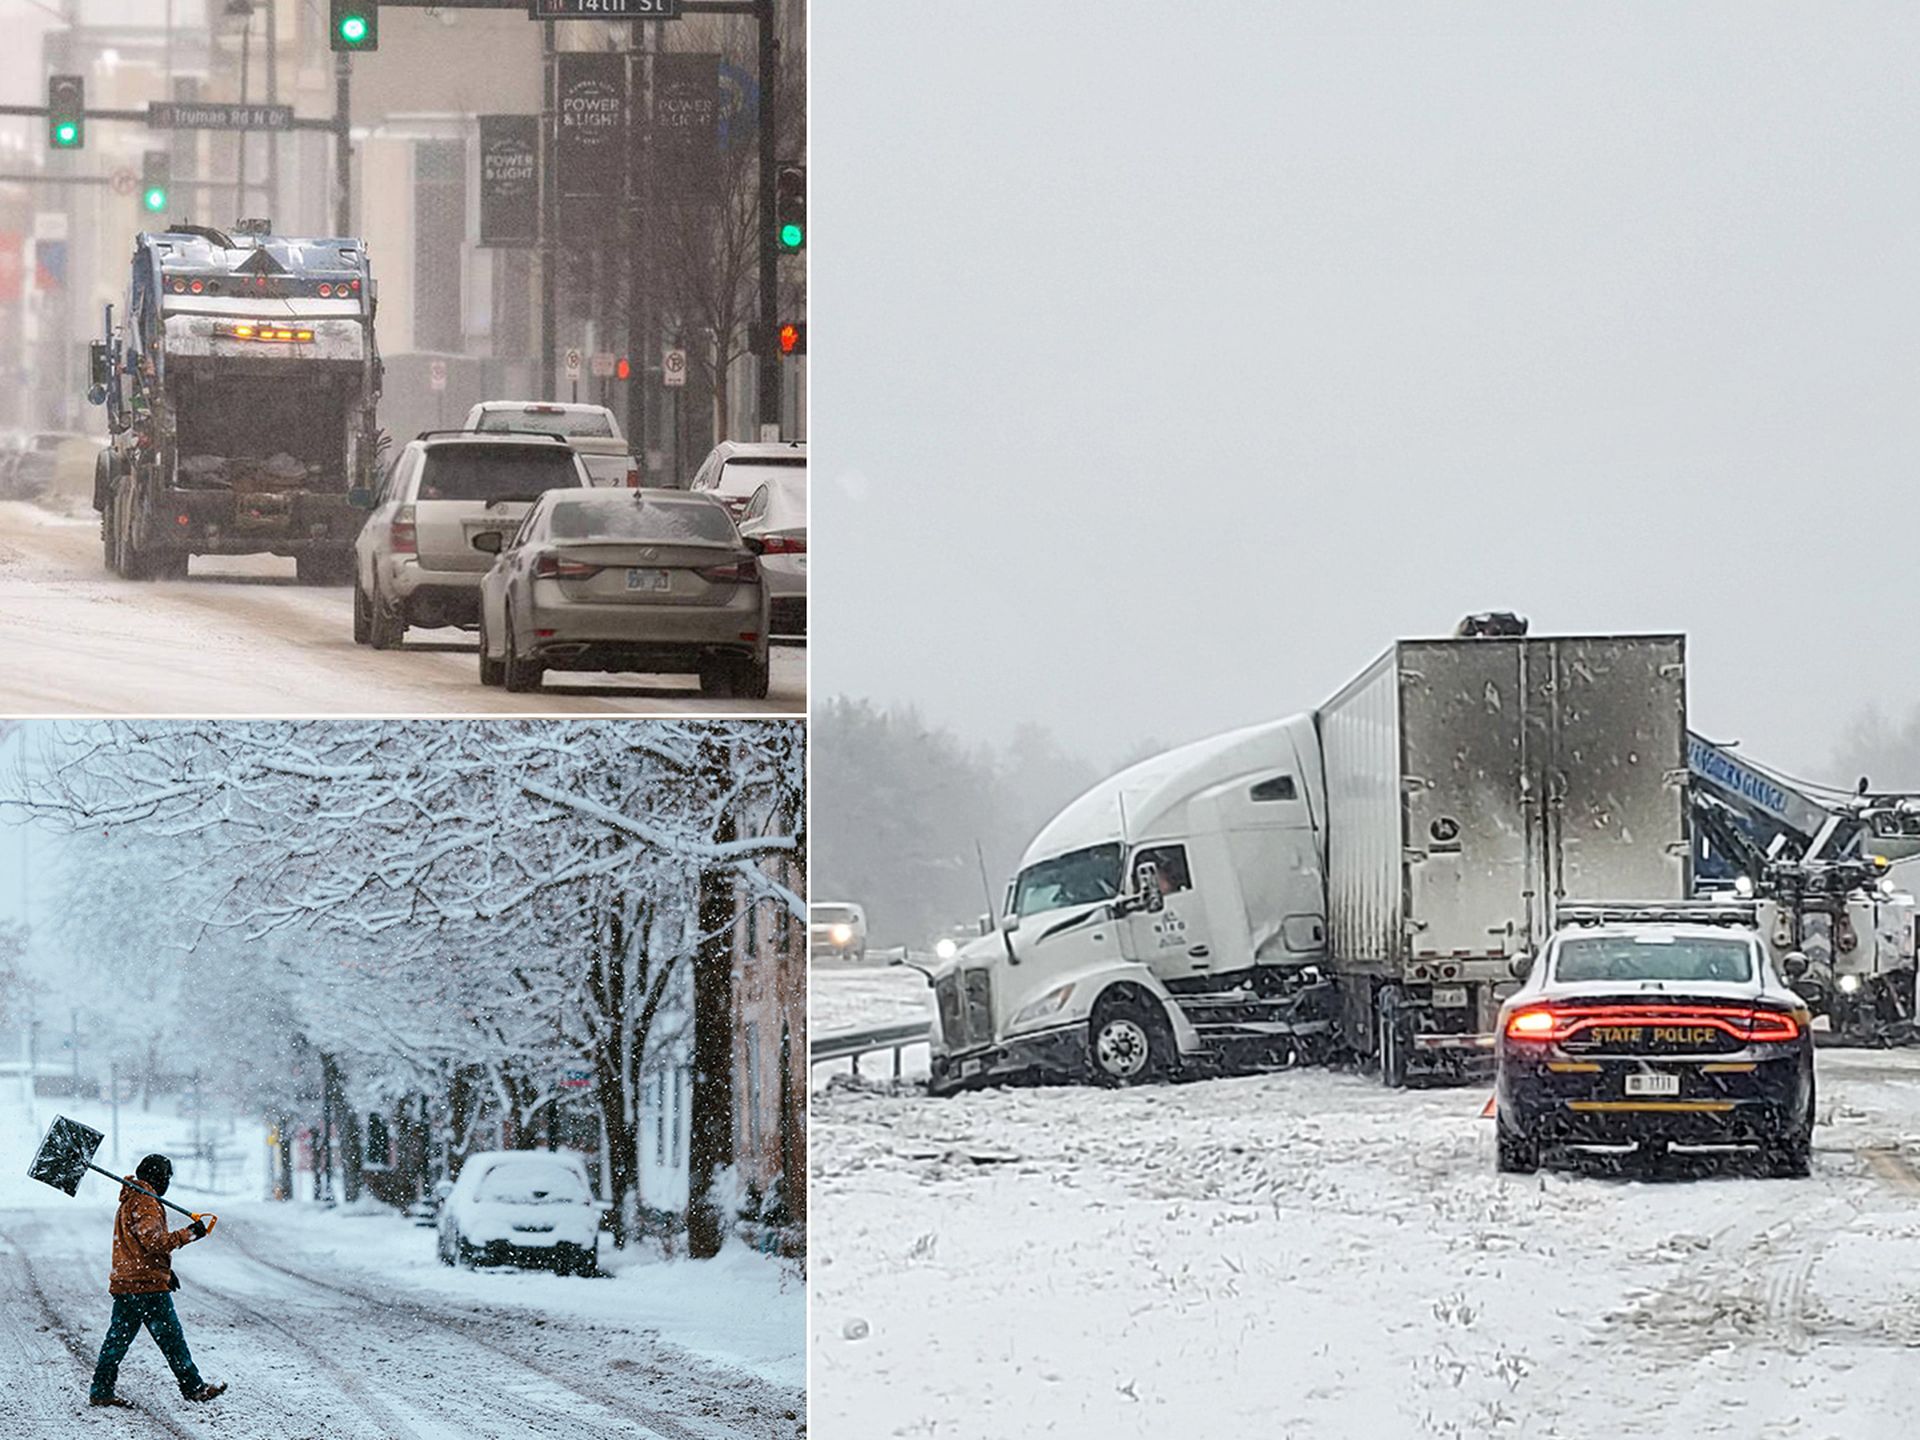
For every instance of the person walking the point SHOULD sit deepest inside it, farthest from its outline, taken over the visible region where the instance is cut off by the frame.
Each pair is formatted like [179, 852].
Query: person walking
[142, 1283]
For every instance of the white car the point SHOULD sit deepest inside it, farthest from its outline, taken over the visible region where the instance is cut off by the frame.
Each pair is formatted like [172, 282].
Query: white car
[590, 430]
[523, 1207]
[776, 516]
[836, 931]
[734, 469]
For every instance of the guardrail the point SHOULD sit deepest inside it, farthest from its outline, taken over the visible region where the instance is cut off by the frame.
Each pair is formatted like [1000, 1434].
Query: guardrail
[852, 1044]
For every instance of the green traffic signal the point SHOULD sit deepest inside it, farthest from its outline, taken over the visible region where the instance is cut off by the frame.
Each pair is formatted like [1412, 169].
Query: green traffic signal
[792, 236]
[353, 29]
[66, 134]
[155, 198]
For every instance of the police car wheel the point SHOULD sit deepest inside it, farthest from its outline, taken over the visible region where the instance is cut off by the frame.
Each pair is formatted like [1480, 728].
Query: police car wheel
[1516, 1154]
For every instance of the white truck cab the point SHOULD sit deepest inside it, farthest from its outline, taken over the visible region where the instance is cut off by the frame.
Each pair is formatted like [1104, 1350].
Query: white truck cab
[1168, 910]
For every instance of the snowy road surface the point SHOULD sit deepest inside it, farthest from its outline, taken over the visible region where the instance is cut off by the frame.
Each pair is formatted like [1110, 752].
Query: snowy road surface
[324, 1335]
[1307, 1254]
[239, 636]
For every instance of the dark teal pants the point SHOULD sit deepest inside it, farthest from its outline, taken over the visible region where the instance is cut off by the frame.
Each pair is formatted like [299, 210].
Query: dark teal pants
[155, 1312]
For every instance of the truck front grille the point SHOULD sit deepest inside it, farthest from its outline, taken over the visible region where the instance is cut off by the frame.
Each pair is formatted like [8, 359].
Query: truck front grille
[965, 1005]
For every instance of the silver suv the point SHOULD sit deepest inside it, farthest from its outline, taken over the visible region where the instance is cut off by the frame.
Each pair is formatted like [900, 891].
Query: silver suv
[414, 561]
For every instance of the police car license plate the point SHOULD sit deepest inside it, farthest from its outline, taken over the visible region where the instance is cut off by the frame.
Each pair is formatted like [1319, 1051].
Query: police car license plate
[1454, 996]
[1646, 1083]
[649, 580]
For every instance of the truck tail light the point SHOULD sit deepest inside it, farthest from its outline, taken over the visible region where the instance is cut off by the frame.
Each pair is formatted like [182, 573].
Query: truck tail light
[402, 539]
[552, 567]
[633, 479]
[741, 572]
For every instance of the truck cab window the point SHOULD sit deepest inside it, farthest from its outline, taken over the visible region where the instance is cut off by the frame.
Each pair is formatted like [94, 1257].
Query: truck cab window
[1170, 867]
[1280, 787]
[1080, 877]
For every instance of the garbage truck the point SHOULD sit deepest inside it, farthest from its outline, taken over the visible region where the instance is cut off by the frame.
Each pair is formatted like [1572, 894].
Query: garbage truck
[1362, 879]
[241, 386]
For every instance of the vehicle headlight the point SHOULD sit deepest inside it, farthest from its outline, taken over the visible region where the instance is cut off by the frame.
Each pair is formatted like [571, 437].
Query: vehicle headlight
[946, 950]
[1048, 1004]
[1848, 984]
[840, 934]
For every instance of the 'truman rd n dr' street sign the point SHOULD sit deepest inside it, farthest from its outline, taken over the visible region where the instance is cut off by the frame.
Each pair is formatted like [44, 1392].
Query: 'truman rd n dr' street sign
[183, 115]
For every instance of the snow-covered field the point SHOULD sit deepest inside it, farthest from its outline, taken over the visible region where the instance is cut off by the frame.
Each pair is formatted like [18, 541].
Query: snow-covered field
[339, 1325]
[1309, 1255]
[240, 636]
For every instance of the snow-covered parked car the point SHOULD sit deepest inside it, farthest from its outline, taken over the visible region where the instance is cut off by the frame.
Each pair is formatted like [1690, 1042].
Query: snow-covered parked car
[522, 1207]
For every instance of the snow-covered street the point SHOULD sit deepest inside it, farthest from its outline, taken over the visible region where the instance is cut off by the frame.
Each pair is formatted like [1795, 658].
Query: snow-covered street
[240, 636]
[343, 1325]
[1307, 1254]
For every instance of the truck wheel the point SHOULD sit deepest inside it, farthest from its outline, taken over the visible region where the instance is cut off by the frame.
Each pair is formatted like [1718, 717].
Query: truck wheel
[519, 675]
[1515, 1154]
[492, 671]
[362, 614]
[1393, 1041]
[1129, 1043]
[109, 540]
[322, 567]
[385, 627]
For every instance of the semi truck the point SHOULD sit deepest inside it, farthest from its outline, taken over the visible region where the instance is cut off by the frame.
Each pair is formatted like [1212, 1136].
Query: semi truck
[241, 387]
[1364, 878]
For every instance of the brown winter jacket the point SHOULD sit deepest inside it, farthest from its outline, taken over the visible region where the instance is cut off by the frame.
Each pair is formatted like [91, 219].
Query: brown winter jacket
[142, 1245]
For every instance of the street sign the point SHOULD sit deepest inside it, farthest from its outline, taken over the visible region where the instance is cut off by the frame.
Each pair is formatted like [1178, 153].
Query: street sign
[673, 367]
[509, 180]
[575, 1079]
[603, 364]
[207, 115]
[603, 9]
[125, 182]
[436, 375]
[574, 359]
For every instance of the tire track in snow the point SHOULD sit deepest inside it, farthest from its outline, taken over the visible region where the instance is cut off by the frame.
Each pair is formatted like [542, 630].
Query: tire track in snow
[476, 1330]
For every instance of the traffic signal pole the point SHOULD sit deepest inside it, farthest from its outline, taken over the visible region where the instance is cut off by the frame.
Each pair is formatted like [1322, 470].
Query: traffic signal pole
[343, 144]
[769, 386]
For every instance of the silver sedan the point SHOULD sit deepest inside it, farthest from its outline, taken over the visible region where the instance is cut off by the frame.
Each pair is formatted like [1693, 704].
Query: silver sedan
[657, 581]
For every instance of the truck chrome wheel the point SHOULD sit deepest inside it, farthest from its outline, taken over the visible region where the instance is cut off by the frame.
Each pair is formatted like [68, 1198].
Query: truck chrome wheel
[1121, 1047]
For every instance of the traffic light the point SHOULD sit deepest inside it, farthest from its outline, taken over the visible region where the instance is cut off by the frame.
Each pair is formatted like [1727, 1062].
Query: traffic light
[791, 337]
[353, 24]
[66, 111]
[156, 179]
[790, 207]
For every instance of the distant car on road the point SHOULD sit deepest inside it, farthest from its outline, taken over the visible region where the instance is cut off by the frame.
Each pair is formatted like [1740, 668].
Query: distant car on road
[628, 580]
[591, 430]
[522, 1207]
[1653, 1028]
[836, 930]
[30, 470]
[776, 516]
[414, 561]
[735, 469]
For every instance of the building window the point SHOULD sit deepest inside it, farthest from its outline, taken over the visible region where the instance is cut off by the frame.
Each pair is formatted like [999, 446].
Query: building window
[679, 1078]
[439, 240]
[753, 1084]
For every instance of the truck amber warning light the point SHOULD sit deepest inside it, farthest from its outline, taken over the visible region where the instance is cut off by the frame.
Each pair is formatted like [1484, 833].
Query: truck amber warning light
[262, 331]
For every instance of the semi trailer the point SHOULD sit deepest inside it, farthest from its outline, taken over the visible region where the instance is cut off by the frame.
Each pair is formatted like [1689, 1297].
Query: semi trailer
[241, 387]
[1363, 878]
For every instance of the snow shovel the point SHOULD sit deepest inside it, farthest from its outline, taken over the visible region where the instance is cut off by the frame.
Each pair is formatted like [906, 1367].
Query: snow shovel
[67, 1154]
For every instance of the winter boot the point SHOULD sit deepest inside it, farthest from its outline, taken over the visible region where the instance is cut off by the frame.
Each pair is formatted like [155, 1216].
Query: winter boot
[111, 1400]
[207, 1392]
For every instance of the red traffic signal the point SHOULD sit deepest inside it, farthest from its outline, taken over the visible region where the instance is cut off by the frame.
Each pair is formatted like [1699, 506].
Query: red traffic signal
[792, 338]
[621, 369]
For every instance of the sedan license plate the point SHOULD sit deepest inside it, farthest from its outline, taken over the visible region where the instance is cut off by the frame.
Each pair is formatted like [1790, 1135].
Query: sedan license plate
[1647, 1083]
[1452, 996]
[649, 580]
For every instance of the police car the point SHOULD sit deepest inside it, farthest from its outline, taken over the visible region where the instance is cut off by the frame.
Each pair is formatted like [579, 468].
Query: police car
[1653, 1026]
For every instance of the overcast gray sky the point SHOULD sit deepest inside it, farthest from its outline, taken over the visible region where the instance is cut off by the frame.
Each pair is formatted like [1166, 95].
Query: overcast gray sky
[1173, 359]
